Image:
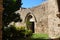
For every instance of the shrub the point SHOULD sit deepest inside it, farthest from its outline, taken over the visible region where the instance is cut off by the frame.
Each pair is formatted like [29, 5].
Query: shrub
[27, 33]
[23, 32]
[19, 28]
[14, 32]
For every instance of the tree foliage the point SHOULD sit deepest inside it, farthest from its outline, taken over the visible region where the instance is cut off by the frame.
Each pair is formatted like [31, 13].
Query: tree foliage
[10, 6]
[9, 15]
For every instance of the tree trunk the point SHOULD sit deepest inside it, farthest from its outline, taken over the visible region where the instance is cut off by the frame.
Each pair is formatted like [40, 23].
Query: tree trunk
[1, 11]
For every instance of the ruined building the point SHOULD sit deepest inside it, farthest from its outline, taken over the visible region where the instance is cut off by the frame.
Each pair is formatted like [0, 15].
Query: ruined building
[44, 18]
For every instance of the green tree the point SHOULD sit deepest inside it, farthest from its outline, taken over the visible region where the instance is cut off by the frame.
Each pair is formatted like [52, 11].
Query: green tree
[10, 6]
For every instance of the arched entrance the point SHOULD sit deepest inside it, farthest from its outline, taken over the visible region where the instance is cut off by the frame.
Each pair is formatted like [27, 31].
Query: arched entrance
[30, 22]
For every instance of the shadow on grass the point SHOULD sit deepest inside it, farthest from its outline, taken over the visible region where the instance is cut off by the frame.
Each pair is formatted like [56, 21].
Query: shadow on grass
[39, 39]
[33, 39]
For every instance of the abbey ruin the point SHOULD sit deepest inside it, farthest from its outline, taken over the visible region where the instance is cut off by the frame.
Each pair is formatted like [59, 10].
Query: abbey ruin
[44, 18]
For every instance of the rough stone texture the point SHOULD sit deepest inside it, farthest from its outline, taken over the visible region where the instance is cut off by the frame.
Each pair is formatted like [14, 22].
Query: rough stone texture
[44, 15]
[40, 13]
[1, 9]
[53, 20]
[45, 18]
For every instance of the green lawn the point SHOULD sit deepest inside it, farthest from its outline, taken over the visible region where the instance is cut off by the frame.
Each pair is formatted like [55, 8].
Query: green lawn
[37, 36]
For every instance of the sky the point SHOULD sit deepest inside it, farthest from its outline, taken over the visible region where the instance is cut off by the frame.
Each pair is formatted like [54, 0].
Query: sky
[31, 3]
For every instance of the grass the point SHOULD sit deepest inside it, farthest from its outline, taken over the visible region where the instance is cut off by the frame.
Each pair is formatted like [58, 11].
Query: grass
[39, 35]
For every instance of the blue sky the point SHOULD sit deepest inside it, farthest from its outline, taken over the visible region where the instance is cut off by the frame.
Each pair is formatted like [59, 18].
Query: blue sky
[31, 3]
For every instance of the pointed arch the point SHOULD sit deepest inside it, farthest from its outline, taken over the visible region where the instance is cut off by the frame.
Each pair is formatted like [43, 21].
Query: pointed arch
[32, 15]
[30, 20]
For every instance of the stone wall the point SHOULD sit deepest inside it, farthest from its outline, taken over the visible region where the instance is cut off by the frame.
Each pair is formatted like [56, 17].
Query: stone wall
[40, 12]
[46, 16]
[53, 20]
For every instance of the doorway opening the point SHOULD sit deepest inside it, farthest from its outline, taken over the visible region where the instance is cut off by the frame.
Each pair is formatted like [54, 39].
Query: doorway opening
[31, 26]
[30, 23]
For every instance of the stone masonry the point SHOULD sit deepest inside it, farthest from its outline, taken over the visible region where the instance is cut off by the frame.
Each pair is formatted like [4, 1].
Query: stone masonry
[44, 16]
[53, 20]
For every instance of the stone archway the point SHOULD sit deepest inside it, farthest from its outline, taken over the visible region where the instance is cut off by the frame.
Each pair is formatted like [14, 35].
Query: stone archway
[30, 21]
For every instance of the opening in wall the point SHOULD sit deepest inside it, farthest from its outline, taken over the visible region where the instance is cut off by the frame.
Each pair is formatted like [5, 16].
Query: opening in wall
[58, 15]
[58, 25]
[58, 2]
